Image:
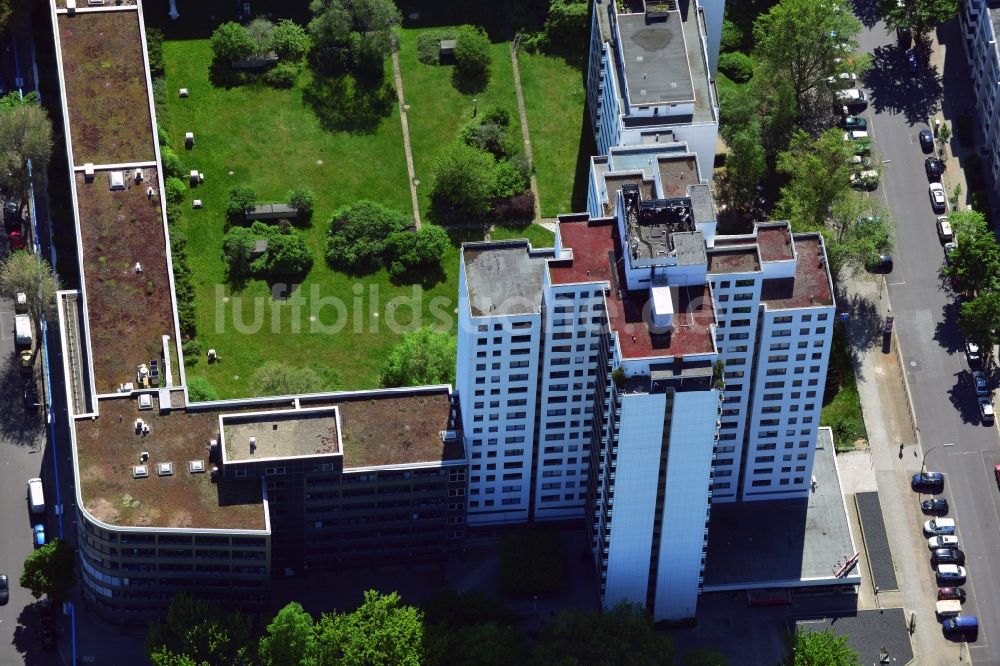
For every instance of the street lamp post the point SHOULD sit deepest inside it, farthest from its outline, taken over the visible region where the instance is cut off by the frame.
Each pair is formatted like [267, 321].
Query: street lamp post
[923, 462]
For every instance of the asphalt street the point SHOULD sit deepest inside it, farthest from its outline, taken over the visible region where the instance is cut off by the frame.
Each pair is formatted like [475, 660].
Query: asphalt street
[925, 312]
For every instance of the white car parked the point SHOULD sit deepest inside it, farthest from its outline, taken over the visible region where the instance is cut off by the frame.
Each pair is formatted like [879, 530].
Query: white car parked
[938, 199]
[940, 526]
[943, 541]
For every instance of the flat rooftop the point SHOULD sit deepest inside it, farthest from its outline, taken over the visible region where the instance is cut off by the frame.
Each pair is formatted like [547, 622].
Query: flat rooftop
[677, 174]
[129, 311]
[614, 183]
[596, 245]
[103, 65]
[811, 285]
[108, 446]
[733, 260]
[279, 435]
[377, 428]
[775, 242]
[655, 59]
[783, 543]
[503, 278]
[868, 632]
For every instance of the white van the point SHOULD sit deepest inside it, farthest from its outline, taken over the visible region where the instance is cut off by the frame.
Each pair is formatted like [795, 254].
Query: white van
[36, 498]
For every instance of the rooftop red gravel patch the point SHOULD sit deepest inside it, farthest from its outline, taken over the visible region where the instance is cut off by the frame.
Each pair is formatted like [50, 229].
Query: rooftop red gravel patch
[734, 260]
[811, 284]
[129, 312]
[775, 243]
[104, 70]
[676, 173]
[595, 245]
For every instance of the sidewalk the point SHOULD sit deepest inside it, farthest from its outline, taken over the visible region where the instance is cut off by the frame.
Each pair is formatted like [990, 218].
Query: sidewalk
[948, 57]
[883, 393]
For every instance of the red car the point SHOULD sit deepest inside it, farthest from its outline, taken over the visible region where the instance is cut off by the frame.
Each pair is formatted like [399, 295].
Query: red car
[948, 593]
[16, 239]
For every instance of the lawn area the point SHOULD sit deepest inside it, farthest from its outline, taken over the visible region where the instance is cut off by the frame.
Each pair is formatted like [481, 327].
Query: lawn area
[841, 405]
[438, 110]
[561, 140]
[538, 235]
[272, 140]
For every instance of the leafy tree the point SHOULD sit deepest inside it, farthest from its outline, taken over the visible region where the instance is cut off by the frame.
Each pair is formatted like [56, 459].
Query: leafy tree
[242, 199]
[856, 233]
[353, 33]
[50, 570]
[621, 635]
[979, 320]
[472, 59]
[260, 32]
[422, 357]
[531, 561]
[154, 50]
[566, 24]
[303, 200]
[818, 172]
[290, 638]
[201, 390]
[800, 39]
[231, 41]
[31, 275]
[464, 183]
[822, 648]
[975, 263]
[25, 136]
[174, 189]
[358, 234]
[485, 644]
[277, 378]
[704, 658]
[409, 251]
[237, 249]
[199, 632]
[767, 103]
[289, 40]
[382, 631]
[746, 164]
[732, 37]
[920, 16]
[287, 255]
[282, 75]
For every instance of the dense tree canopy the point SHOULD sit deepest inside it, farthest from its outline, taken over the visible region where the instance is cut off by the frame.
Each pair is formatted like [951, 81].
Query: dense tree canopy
[818, 172]
[920, 16]
[464, 183]
[31, 275]
[975, 263]
[286, 254]
[358, 235]
[472, 59]
[353, 34]
[857, 233]
[201, 632]
[25, 136]
[231, 41]
[800, 39]
[411, 251]
[822, 648]
[422, 357]
[289, 40]
[622, 635]
[382, 631]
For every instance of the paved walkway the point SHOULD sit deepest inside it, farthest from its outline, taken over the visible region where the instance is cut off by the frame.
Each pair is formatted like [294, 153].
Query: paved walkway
[943, 39]
[403, 106]
[883, 392]
[523, 115]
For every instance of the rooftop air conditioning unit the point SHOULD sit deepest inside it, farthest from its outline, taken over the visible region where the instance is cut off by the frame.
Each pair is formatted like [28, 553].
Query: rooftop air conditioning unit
[116, 180]
[196, 466]
[165, 469]
[140, 471]
[145, 401]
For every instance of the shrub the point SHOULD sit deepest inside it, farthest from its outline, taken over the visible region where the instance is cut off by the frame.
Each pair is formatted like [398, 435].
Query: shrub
[172, 165]
[175, 190]
[289, 40]
[410, 250]
[510, 179]
[260, 31]
[464, 183]
[242, 198]
[429, 45]
[472, 59]
[423, 356]
[303, 200]
[237, 250]
[566, 25]
[201, 390]
[487, 136]
[230, 41]
[732, 37]
[737, 66]
[497, 115]
[154, 50]
[192, 349]
[358, 234]
[282, 75]
[287, 255]
[161, 133]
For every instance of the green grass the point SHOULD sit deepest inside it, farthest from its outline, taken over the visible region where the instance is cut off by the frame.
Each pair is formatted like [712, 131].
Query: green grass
[538, 236]
[438, 110]
[841, 404]
[561, 140]
[273, 141]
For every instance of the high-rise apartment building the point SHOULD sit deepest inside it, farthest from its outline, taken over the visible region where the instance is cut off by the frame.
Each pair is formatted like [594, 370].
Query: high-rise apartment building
[591, 374]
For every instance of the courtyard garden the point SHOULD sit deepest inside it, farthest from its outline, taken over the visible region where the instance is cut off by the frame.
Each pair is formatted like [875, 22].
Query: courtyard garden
[276, 136]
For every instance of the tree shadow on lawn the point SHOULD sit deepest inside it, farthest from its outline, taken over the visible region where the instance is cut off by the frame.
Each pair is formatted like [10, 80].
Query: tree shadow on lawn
[427, 276]
[344, 105]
